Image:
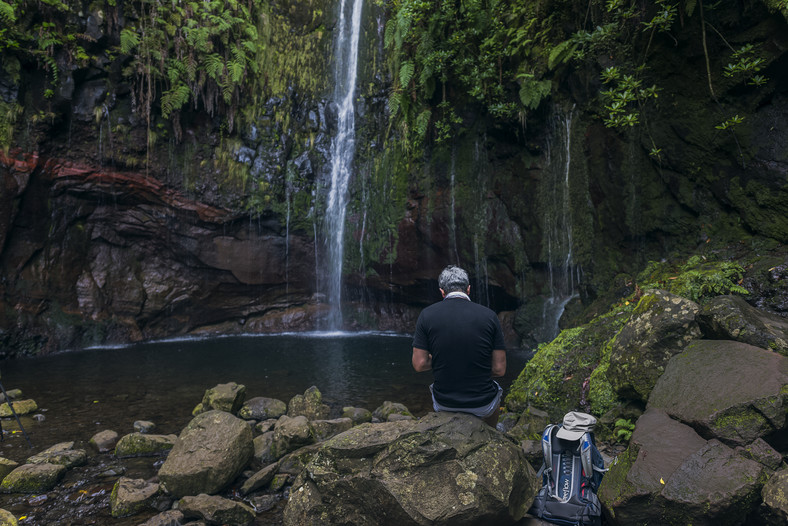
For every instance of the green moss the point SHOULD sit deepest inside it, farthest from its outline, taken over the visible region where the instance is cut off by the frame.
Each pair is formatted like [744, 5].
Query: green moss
[698, 279]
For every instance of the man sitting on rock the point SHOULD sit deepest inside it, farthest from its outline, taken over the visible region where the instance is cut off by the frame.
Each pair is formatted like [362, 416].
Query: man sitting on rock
[462, 342]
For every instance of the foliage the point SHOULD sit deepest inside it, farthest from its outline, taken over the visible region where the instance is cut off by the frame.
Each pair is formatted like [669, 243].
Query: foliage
[199, 52]
[698, 279]
[622, 429]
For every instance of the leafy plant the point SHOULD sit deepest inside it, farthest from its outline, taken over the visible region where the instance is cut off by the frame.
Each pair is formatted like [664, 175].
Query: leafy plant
[623, 429]
[697, 279]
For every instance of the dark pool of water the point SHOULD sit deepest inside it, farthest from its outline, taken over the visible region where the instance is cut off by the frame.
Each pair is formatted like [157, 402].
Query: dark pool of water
[82, 393]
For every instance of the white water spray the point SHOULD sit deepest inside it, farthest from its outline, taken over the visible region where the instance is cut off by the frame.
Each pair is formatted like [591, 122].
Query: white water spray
[342, 151]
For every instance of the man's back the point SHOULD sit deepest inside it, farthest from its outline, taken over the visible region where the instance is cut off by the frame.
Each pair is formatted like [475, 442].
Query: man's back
[461, 336]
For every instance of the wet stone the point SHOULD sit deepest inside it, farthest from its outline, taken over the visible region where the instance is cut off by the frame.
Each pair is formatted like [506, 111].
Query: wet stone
[32, 478]
[62, 454]
[144, 426]
[104, 441]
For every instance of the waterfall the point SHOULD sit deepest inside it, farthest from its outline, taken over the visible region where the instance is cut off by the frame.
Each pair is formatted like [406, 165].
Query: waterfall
[342, 152]
[557, 228]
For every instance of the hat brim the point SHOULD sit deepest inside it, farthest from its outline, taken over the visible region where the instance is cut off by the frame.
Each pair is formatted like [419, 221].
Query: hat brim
[569, 435]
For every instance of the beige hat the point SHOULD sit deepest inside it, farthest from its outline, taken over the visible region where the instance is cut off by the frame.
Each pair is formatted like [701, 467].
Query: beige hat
[575, 424]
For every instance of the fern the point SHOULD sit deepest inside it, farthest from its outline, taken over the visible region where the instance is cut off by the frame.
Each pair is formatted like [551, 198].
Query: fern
[422, 123]
[174, 99]
[406, 73]
[394, 104]
[7, 15]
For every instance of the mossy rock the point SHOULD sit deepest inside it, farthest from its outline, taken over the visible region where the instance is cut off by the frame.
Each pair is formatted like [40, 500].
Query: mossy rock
[774, 510]
[33, 478]
[6, 467]
[661, 326]
[7, 518]
[726, 389]
[62, 454]
[558, 379]
[144, 445]
[130, 496]
[227, 397]
[21, 407]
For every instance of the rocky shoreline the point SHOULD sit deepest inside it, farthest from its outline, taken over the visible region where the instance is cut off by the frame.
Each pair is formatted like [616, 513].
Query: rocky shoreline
[705, 443]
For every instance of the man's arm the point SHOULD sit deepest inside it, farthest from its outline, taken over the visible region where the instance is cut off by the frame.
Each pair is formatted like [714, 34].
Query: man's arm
[498, 362]
[421, 360]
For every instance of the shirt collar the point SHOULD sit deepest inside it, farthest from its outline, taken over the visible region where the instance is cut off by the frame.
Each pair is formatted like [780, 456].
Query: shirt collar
[457, 294]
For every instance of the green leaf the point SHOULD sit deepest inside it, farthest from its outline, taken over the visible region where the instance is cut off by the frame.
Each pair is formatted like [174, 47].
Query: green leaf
[406, 73]
[561, 53]
[129, 40]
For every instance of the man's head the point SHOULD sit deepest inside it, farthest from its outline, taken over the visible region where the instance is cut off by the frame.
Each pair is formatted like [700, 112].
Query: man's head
[453, 279]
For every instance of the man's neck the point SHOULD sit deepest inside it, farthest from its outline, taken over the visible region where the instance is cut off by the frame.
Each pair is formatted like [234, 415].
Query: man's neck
[457, 294]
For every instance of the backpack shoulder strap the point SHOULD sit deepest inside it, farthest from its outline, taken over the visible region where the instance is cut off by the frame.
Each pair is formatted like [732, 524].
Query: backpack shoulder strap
[547, 448]
[586, 458]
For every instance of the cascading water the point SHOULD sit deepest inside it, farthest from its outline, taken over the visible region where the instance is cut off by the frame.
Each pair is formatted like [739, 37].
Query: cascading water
[342, 151]
[557, 228]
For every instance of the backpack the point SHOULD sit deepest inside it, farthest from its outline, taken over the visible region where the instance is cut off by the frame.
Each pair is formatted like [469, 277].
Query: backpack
[571, 474]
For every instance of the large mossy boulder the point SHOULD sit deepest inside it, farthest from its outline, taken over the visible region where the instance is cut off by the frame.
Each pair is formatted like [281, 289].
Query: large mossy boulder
[310, 404]
[289, 435]
[223, 397]
[210, 452]
[555, 380]
[671, 475]
[732, 318]
[661, 326]
[726, 389]
[444, 469]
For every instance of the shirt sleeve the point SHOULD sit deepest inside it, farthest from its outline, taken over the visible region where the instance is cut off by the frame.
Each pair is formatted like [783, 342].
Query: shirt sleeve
[498, 340]
[420, 339]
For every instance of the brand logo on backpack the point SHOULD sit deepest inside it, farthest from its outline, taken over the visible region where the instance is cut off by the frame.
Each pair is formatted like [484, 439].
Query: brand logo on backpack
[566, 490]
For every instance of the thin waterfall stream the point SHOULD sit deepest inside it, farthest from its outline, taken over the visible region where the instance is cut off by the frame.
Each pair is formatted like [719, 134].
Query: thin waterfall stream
[342, 153]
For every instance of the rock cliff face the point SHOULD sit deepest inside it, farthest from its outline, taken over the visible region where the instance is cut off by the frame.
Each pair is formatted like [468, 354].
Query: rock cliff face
[107, 235]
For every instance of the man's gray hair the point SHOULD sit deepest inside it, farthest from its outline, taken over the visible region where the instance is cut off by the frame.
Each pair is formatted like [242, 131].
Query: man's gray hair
[453, 279]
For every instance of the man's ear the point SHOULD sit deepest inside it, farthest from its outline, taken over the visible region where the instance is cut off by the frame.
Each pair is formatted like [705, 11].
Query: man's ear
[468, 291]
[443, 294]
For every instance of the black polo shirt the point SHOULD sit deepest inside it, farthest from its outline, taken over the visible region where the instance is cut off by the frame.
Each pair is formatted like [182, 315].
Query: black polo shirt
[461, 336]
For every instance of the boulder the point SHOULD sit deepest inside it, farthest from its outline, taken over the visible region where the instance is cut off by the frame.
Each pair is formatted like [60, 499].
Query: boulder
[210, 452]
[216, 510]
[763, 453]
[262, 408]
[774, 510]
[144, 426]
[444, 469]
[670, 475]
[262, 448]
[324, 429]
[7, 466]
[357, 414]
[62, 453]
[725, 389]
[661, 326]
[13, 394]
[310, 405]
[259, 479]
[529, 425]
[290, 434]
[223, 397]
[33, 478]
[266, 425]
[166, 518]
[389, 408]
[732, 318]
[104, 441]
[130, 496]
[7, 518]
[142, 445]
[21, 407]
